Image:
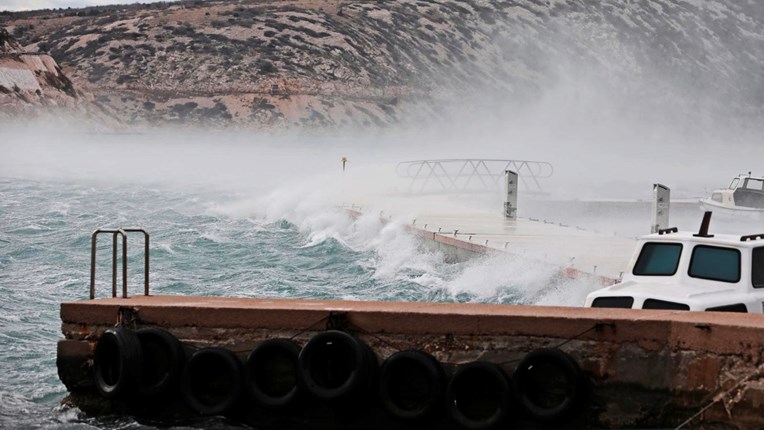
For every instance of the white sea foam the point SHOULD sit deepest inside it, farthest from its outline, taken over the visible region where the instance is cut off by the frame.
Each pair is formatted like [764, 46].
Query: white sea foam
[164, 246]
[214, 237]
[67, 414]
[486, 276]
[397, 256]
[567, 292]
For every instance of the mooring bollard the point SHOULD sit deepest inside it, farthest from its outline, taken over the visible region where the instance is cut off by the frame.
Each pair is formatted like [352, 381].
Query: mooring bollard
[511, 194]
[660, 207]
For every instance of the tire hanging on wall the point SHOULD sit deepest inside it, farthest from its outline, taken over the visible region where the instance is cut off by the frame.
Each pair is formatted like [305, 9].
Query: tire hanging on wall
[271, 373]
[548, 384]
[478, 396]
[162, 362]
[334, 365]
[211, 382]
[412, 385]
[117, 362]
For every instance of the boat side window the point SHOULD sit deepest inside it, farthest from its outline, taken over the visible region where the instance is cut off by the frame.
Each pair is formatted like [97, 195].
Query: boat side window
[715, 263]
[757, 267]
[734, 184]
[658, 259]
[717, 197]
[753, 184]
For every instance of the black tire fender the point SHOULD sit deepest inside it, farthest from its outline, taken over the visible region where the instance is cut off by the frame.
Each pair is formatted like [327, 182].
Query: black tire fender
[212, 381]
[271, 373]
[412, 385]
[117, 362]
[548, 384]
[334, 365]
[162, 362]
[479, 396]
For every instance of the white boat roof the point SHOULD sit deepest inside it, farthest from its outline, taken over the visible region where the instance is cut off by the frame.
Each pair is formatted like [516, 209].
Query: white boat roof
[716, 239]
[748, 176]
[675, 290]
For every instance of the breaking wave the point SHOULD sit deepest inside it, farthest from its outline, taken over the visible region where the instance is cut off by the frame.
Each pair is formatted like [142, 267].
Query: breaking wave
[283, 244]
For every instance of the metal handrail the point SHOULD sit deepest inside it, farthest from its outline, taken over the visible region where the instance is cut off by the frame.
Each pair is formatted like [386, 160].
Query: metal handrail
[118, 232]
[145, 257]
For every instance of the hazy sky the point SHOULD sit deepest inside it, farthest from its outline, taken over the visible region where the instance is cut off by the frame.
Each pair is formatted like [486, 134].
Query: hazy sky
[15, 5]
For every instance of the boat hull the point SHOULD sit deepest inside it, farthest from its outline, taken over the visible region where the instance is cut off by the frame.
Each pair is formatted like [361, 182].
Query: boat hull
[731, 212]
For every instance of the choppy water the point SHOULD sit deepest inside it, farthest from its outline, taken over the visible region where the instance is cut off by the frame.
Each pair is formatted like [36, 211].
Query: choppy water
[207, 239]
[209, 243]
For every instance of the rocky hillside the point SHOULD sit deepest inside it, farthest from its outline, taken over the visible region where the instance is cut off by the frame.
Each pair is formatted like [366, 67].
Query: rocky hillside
[306, 63]
[32, 84]
[30, 79]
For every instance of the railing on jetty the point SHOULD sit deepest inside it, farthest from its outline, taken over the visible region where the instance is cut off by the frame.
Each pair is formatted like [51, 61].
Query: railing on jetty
[121, 232]
[471, 175]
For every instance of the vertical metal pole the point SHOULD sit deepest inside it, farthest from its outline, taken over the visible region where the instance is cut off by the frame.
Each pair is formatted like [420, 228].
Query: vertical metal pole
[114, 265]
[660, 207]
[124, 265]
[146, 266]
[511, 194]
[93, 265]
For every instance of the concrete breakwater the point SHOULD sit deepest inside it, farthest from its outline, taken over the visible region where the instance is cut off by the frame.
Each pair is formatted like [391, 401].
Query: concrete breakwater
[578, 253]
[641, 368]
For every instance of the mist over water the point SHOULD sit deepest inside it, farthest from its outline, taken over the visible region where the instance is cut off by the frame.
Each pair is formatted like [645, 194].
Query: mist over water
[235, 213]
[224, 234]
[231, 215]
[254, 215]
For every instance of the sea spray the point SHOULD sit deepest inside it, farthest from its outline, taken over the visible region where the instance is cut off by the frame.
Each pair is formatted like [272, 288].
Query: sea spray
[398, 258]
[290, 243]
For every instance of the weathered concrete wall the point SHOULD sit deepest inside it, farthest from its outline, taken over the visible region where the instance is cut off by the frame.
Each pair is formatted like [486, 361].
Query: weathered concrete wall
[647, 368]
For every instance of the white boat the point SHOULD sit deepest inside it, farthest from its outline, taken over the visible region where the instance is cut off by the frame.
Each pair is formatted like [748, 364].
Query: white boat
[690, 271]
[744, 197]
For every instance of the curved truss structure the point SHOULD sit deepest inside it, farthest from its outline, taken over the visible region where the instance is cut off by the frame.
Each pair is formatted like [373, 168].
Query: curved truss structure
[471, 175]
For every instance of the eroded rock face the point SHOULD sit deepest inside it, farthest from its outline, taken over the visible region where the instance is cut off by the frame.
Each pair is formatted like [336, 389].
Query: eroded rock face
[23, 75]
[33, 84]
[308, 63]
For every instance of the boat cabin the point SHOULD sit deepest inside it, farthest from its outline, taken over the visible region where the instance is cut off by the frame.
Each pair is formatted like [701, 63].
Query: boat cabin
[690, 271]
[744, 191]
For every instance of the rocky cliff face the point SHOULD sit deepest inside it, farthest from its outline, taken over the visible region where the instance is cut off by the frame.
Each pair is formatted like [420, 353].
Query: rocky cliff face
[33, 84]
[305, 63]
[25, 77]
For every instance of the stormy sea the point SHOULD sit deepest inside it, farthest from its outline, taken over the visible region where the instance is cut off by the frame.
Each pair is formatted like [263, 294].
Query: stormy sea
[206, 241]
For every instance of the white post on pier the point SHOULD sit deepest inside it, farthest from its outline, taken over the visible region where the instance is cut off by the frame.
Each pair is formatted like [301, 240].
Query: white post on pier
[660, 207]
[511, 194]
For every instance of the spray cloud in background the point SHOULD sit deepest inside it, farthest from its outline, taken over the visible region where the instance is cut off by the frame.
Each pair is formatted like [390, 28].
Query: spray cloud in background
[613, 107]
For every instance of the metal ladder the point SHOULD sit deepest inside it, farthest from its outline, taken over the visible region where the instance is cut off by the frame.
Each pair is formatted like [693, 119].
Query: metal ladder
[118, 232]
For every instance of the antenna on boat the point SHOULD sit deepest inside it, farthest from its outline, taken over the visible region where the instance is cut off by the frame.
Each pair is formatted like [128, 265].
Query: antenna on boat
[704, 228]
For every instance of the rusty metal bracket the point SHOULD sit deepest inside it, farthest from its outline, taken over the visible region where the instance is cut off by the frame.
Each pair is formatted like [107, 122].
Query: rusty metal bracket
[127, 316]
[602, 325]
[338, 321]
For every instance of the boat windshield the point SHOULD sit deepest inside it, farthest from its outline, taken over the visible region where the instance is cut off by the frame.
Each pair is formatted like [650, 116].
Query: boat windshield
[752, 184]
[715, 263]
[734, 184]
[658, 259]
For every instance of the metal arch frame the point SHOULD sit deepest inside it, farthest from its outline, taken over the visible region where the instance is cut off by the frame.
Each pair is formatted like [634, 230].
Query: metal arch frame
[118, 232]
[423, 171]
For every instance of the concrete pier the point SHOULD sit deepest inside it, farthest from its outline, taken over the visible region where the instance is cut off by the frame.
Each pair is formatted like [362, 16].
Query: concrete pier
[646, 369]
[631, 369]
[577, 252]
